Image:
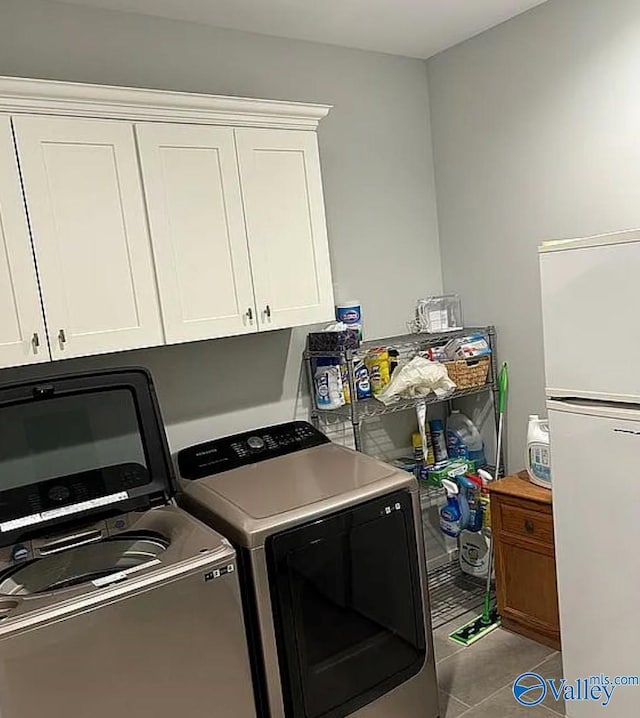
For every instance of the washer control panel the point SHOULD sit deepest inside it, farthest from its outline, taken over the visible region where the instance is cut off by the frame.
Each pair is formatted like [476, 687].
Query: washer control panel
[231, 452]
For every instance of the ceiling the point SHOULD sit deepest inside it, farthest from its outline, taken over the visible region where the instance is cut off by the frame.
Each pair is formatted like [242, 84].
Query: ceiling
[415, 28]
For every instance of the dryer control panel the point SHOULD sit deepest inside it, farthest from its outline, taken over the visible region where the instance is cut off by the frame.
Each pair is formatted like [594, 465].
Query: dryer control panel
[231, 452]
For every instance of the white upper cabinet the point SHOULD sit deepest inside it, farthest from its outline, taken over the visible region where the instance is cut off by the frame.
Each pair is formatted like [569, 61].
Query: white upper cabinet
[132, 218]
[192, 189]
[286, 230]
[22, 334]
[89, 229]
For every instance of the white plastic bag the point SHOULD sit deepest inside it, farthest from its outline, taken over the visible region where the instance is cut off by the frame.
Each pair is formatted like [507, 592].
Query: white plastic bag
[416, 379]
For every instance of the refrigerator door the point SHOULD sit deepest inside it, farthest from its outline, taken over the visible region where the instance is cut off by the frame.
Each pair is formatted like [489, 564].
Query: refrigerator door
[596, 497]
[591, 285]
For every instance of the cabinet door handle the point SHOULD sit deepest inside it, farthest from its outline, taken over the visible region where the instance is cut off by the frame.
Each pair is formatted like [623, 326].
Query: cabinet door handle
[62, 338]
[528, 526]
[267, 311]
[35, 342]
[250, 314]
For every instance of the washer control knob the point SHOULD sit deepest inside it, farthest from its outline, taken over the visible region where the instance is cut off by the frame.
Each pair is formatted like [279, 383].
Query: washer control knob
[255, 443]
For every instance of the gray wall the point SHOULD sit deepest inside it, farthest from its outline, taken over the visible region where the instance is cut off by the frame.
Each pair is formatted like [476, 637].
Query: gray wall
[376, 155]
[536, 134]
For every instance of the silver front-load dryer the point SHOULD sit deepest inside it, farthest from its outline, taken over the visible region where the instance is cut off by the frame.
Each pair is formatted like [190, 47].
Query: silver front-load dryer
[113, 601]
[330, 543]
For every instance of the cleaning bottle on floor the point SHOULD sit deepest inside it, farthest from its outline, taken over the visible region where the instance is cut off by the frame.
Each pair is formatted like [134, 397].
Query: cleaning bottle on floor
[538, 455]
[450, 515]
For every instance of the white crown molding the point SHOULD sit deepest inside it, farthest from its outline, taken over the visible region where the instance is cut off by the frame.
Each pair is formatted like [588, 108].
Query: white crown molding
[51, 97]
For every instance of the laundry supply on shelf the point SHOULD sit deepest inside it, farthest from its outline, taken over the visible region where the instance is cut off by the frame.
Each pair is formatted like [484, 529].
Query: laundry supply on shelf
[377, 362]
[328, 384]
[335, 337]
[463, 439]
[449, 469]
[350, 314]
[438, 439]
[473, 346]
[416, 379]
[450, 514]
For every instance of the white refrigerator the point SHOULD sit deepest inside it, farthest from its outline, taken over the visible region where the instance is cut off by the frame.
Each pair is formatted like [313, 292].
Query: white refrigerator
[591, 314]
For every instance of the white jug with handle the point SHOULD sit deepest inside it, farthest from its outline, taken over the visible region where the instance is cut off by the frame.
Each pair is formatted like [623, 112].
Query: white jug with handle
[538, 458]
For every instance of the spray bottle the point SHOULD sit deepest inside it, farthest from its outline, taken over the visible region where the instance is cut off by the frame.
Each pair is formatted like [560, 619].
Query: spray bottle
[471, 487]
[450, 515]
[473, 546]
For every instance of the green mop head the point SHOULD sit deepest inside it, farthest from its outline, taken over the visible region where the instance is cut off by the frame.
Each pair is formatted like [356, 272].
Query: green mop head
[477, 628]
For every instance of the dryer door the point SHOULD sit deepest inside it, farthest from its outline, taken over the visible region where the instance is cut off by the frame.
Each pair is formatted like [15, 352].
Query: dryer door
[348, 607]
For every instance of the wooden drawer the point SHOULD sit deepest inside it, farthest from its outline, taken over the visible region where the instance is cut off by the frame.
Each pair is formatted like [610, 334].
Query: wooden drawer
[533, 525]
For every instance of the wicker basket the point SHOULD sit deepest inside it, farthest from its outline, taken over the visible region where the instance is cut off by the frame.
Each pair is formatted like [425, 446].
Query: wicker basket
[468, 373]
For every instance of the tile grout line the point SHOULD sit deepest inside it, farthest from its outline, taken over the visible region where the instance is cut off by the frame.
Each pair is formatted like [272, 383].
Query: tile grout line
[466, 705]
[455, 653]
[491, 695]
[553, 713]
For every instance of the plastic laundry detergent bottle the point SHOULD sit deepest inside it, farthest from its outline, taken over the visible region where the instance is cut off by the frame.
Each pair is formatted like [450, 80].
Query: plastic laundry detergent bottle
[450, 516]
[538, 458]
[473, 553]
[463, 439]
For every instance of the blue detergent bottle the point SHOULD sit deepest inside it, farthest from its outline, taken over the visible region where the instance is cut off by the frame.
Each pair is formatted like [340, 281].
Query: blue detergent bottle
[450, 515]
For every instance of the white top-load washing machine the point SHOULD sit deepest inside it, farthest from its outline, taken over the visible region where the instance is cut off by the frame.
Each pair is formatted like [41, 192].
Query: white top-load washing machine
[333, 571]
[113, 601]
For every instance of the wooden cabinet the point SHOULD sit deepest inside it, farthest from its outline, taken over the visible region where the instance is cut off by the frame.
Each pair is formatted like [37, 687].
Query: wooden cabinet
[22, 334]
[522, 520]
[89, 231]
[286, 230]
[198, 235]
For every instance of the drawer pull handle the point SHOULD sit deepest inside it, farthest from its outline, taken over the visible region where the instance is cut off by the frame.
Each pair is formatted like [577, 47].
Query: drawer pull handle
[62, 338]
[528, 526]
[250, 314]
[35, 342]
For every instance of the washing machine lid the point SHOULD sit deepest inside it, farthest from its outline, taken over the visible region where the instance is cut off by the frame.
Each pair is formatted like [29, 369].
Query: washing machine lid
[95, 563]
[267, 494]
[78, 445]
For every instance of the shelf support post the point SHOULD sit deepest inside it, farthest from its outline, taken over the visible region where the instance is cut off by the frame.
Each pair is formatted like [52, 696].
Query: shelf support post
[353, 394]
[495, 369]
[315, 417]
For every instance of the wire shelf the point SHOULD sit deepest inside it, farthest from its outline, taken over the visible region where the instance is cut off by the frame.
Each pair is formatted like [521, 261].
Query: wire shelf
[373, 407]
[417, 341]
[453, 593]
[431, 496]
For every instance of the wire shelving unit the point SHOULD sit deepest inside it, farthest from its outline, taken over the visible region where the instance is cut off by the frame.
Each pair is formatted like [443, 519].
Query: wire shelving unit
[452, 592]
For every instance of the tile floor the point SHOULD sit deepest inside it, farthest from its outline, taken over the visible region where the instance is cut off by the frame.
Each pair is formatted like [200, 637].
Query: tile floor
[475, 682]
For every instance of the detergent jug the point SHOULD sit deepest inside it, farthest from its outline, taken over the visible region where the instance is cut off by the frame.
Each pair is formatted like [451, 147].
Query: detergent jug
[538, 458]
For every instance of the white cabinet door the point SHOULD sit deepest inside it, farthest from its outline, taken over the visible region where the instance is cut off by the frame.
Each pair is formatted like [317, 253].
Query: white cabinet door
[22, 333]
[89, 229]
[195, 212]
[286, 229]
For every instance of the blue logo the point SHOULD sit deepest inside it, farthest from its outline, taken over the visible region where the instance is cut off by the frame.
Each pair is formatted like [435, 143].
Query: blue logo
[529, 689]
